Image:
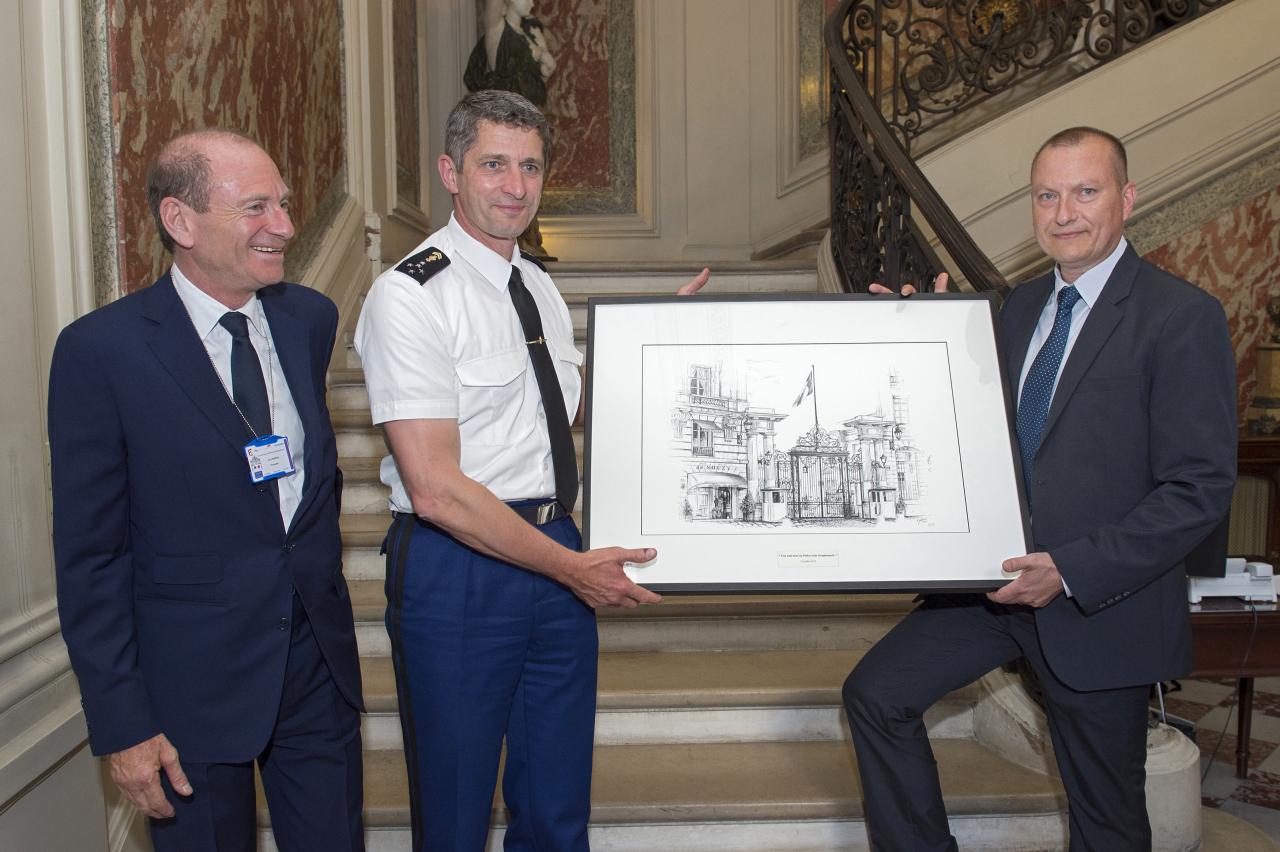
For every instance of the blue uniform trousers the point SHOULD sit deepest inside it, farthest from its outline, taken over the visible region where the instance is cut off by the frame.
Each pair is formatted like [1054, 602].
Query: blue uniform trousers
[484, 650]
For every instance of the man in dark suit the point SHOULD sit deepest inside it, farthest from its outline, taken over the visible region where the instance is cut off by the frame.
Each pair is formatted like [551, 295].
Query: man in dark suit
[1125, 382]
[195, 502]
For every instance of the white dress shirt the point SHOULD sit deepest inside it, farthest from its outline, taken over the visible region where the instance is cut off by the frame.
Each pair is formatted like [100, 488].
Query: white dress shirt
[1089, 285]
[453, 349]
[205, 311]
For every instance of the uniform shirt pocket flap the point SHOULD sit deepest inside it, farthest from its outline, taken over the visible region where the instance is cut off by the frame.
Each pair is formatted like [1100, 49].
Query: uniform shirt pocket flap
[496, 370]
[565, 352]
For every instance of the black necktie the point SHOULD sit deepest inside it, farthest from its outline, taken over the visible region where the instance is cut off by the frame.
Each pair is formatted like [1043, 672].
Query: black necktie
[563, 455]
[247, 386]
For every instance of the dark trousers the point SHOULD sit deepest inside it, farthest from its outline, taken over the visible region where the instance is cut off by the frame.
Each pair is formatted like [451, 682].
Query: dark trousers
[484, 650]
[311, 772]
[1099, 738]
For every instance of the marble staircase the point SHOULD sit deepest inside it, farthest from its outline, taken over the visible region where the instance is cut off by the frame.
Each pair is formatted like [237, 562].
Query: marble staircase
[719, 724]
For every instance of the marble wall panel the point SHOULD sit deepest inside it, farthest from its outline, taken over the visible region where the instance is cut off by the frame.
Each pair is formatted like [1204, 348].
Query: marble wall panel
[272, 68]
[1233, 257]
[404, 35]
[591, 106]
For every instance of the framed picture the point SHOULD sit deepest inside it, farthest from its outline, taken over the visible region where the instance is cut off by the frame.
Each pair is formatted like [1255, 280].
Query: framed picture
[811, 442]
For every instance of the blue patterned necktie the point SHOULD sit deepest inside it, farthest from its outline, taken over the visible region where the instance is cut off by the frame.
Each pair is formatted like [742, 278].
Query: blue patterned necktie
[1037, 390]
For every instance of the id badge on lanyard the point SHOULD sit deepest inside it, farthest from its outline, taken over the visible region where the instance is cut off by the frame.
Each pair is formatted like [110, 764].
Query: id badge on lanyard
[269, 458]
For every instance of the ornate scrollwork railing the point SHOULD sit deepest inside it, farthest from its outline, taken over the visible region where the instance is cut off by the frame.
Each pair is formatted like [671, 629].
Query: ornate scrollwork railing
[908, 75]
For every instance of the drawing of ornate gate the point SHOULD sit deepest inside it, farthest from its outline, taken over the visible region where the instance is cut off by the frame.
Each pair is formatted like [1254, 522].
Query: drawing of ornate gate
[819, 477]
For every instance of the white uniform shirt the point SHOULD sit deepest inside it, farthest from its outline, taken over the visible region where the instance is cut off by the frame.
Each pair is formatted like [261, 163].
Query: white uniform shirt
[205, 311]
[453, 349]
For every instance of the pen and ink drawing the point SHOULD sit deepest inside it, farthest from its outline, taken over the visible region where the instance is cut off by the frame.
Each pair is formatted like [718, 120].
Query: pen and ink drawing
[844, 438]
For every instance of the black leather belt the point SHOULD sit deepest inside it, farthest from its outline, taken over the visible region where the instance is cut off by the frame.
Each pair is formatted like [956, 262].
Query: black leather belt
[536, 512]
[539, 512]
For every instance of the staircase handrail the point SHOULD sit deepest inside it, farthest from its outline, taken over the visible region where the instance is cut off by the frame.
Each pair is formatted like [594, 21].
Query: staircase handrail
[990, 53]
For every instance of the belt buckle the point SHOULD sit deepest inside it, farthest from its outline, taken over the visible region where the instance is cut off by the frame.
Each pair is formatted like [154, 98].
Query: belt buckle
[546, 513]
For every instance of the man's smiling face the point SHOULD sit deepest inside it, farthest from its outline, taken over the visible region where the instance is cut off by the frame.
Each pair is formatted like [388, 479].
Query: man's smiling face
[237, 245]
[1080, 200]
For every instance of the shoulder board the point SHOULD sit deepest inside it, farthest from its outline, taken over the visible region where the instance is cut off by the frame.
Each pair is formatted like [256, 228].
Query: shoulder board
[421, 266]
[533, 258]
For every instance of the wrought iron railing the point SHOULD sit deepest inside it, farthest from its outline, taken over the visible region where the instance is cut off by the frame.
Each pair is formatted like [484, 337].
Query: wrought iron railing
[908, 75]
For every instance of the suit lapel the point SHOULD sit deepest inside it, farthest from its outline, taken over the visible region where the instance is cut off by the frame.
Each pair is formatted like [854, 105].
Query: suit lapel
[1101, 322]
[292, 345]
[180, 351]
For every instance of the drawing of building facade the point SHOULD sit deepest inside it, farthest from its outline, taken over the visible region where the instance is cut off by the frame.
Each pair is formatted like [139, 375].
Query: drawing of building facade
[733, 470]
[720, 441]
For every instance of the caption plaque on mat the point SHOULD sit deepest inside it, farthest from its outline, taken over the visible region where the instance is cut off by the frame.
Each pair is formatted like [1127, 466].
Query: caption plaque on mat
[802, 442]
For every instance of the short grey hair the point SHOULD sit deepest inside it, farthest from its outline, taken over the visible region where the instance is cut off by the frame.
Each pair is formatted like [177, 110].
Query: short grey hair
[499, 107]
[1073, 136]
[181, 170]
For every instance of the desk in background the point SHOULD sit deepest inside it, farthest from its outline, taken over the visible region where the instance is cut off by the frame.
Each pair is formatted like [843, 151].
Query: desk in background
[1237, 640]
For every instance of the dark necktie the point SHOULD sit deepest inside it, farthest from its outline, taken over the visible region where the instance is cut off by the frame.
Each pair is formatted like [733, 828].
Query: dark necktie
[1037, 390]
[247, 386]
[563, 455]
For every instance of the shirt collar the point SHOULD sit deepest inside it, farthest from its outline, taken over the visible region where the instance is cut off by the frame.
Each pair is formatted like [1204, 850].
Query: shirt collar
[1090, 283]
[205, 311]
[492, 266]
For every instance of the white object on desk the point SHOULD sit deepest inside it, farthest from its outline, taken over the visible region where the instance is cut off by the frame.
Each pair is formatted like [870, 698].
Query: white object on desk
[1253, 581]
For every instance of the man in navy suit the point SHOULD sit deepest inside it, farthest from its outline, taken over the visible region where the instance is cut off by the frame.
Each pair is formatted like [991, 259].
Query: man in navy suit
[1125, 382]
[195, 502]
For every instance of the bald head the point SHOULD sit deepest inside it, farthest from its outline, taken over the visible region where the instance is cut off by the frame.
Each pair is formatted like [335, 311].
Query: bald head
[182, 170]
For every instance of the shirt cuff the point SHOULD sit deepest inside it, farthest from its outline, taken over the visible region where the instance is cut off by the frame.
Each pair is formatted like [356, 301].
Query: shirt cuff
[415, 409]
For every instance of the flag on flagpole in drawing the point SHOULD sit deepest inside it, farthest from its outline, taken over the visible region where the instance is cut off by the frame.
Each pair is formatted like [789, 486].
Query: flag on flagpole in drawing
[806, 390]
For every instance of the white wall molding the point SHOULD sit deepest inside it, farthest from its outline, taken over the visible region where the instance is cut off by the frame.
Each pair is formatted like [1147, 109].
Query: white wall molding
[341, 269]
[451, 34]
[793, 171]
[42, 721]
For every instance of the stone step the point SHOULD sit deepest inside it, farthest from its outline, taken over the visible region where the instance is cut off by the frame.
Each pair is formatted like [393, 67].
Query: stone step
[691, 696]
[753, 796]
[582, 279]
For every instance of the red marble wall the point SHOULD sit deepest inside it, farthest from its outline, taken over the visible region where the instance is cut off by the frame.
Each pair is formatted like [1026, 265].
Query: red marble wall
[578, 91]
[272, 68]
[1234, 258]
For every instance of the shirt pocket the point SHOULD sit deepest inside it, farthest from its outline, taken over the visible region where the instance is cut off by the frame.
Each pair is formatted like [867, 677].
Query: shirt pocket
[489, 394]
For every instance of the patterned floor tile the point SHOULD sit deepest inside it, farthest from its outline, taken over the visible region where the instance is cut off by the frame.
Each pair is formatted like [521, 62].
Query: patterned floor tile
[1204, 691]
[1261, 789]
[1226, 751]
[1266, 703]
[1255, 799]
[1192, 711]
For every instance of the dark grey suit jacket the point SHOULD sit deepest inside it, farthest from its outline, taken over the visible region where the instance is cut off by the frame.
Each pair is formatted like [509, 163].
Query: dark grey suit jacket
[1136, 465]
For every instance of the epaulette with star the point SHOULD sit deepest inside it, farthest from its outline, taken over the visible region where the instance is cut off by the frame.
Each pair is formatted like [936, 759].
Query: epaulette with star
[421, 266]
[533, 258]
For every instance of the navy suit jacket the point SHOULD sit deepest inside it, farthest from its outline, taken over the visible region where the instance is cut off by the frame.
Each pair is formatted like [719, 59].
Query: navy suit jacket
[1136, 465]
[175, 573]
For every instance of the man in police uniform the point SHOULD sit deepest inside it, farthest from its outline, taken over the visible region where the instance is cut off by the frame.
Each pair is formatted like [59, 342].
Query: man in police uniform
[471, 368]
